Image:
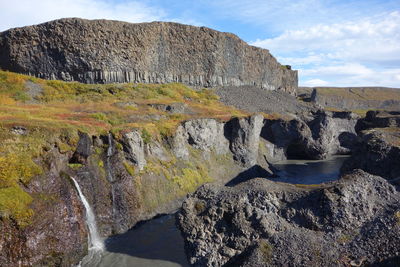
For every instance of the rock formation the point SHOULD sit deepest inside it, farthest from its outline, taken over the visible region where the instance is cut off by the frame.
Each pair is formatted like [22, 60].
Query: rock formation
[263, 223]
[378, 151]
[101, 51]
[315, 136]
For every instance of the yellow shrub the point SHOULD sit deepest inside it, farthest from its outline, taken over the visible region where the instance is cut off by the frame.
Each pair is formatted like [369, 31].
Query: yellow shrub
[14, 168]
[6, 100]
[14, 203]
[191, 179]
[129, 168]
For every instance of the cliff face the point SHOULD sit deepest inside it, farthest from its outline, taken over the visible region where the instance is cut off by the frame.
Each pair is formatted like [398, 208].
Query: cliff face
[101, 51]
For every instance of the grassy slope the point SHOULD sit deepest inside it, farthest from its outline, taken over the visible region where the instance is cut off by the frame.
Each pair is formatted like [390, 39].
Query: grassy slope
[362, 93]
[54, 111]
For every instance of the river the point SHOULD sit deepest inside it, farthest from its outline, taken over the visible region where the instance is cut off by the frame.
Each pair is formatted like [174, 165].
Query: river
[158, 242]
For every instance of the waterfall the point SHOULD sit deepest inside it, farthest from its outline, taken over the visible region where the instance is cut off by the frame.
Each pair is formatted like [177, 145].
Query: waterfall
[110, 145]
[95, 242]
[110, 177]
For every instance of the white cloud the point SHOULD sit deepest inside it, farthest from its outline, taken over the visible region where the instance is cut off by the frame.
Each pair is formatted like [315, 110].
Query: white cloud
[349, 75]
[349, 69]
[355, 51]
[374, 39]
[28, 12]
[315, 83]
[278, 15]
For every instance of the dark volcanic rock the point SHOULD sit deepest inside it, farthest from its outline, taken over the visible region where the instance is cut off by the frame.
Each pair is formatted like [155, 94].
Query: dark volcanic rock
[379, 119]
[378, 153]
[315, 136]
[83, 150]
[101, 51]
[263, 223]
[244, 135]
[379, 149]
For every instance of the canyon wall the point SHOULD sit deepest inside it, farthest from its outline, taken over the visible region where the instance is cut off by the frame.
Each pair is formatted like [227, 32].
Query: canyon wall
[127, 179]
[103, 51]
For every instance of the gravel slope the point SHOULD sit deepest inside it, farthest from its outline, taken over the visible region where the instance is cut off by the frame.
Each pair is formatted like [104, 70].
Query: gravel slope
[253, 99]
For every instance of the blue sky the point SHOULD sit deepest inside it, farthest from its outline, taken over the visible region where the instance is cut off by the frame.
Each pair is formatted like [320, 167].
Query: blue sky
[331, 43]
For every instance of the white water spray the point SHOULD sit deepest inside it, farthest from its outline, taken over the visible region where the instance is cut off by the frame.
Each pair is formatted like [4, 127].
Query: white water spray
[95, 242]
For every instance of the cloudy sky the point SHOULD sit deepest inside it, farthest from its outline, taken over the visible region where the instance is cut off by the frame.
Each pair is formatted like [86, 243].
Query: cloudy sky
[330, 42]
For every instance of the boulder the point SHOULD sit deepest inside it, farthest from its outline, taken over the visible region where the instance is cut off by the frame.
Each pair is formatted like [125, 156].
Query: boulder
[134, 148]
[244, 136]
[83, 150]
[207, 134]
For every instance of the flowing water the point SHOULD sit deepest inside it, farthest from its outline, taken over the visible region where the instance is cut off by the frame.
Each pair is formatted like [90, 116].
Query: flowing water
[95, 242]
[158, 242]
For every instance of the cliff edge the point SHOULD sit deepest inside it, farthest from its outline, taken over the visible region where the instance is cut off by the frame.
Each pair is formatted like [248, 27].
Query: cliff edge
[104, 51]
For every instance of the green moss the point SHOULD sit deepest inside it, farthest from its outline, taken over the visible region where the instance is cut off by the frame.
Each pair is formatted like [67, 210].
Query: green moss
[100, 116]
[191, 179]
[100, 164]
[64, 148]
[129, 168]
[146, 136]
[16, 168]
[397, 216]
[21, 96]
[98, 150]
[75, 166]
[200, 207]
[266, 250]
[14, 203]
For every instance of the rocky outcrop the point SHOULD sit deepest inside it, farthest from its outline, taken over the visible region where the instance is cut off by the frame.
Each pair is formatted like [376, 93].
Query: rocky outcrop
[238, 136]
[377, 154]
[314, 136]
[378, 151]
[207, 134]
[378, 119]
[83, 149]
[263, 223]
[244, 135]
[134, 148]
[101, 51]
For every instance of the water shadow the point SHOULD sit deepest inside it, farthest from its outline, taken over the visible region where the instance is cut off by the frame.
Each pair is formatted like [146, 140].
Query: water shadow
[157, 242]
[251, 173]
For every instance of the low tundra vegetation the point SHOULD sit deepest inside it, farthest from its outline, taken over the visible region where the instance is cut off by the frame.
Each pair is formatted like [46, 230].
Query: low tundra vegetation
[38, 115]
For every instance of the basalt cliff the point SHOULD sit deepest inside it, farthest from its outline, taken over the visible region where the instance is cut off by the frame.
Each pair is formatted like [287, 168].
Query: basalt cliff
[149, 147]
[103, 51]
